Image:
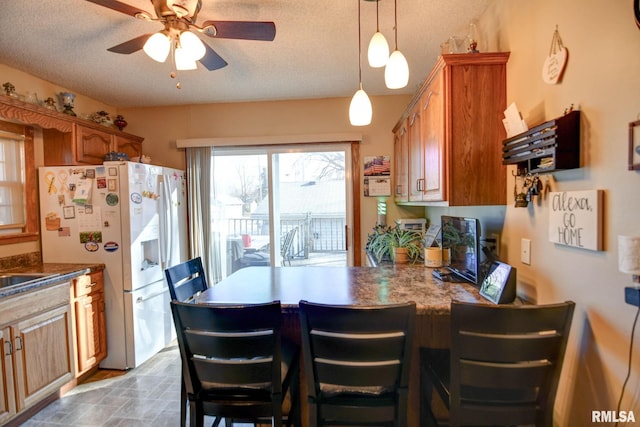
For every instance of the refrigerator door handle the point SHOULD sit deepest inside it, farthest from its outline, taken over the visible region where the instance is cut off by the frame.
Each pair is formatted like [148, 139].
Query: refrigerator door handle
[149, 297]
[166, 223]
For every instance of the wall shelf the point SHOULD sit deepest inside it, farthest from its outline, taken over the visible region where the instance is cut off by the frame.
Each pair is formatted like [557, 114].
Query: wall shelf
[550, 146]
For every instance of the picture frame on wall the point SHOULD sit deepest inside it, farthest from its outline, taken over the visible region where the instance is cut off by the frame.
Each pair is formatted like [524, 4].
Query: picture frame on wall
[634, 145]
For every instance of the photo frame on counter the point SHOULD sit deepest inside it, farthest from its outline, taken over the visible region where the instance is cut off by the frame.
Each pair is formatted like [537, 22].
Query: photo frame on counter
[634, 145]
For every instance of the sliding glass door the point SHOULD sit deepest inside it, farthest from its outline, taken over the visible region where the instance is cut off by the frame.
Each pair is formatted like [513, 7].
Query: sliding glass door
[283, 206]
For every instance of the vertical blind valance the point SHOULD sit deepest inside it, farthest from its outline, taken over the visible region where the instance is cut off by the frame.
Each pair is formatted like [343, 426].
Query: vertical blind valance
[268, 140]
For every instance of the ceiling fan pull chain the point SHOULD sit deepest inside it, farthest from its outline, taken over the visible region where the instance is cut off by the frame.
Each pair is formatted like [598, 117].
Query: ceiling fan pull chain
[174, 68]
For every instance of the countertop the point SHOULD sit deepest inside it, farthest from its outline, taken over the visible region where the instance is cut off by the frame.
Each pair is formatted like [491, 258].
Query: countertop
[59, 272]
[342, 285]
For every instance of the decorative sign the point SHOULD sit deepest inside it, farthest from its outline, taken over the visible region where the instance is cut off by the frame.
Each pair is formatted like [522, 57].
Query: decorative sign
[554, 65]
[575, 219]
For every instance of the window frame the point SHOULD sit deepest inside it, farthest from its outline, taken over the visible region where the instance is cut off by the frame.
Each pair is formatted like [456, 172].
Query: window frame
[30, 230]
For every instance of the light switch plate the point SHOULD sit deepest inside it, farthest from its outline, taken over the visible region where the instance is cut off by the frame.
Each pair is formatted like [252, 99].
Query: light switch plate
[525, 251]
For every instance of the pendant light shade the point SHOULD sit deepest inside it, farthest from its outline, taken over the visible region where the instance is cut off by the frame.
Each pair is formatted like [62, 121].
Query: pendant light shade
[396, 73]
[378, 52]
[360, 110]
[157, 47]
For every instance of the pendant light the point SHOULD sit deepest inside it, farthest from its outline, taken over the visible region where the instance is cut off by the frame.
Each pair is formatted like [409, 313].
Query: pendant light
[396, 73]
[360, 110]
[378, 52]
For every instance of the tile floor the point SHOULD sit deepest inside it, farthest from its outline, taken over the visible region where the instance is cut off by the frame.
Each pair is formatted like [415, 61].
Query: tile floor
[146, 396]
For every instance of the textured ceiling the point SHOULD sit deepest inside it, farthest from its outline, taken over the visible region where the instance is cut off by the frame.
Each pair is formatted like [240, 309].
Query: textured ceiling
[314, 54]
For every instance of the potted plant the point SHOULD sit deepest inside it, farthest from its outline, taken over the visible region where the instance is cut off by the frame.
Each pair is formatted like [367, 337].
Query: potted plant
[395, 243]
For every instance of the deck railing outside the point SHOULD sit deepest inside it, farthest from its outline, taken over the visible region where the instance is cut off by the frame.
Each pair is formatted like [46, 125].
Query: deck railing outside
[316, 234]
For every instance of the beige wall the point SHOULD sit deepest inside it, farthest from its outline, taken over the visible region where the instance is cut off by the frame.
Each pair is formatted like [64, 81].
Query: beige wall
[601, 79]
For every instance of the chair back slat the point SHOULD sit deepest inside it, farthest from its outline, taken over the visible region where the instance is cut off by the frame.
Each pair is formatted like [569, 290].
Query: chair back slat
[509, 348]
[357, 361]
[358, 347]
[251, 373]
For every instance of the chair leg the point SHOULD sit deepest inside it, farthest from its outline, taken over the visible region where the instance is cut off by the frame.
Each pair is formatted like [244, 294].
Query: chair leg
[183, 404]
[427, 418]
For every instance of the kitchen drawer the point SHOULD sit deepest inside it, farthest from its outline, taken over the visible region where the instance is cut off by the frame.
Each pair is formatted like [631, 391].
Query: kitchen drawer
[87, 283]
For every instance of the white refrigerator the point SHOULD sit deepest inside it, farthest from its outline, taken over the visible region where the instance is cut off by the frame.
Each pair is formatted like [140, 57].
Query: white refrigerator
[132, 218]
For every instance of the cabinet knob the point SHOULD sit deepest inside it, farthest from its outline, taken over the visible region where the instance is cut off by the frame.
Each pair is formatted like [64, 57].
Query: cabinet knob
[8, 348]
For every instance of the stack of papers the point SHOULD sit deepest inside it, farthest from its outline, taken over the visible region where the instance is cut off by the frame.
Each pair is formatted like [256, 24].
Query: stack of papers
[513, 123]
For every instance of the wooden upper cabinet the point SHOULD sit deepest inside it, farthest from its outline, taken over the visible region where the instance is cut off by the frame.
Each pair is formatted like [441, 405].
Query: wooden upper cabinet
[91, 145]
[455, 133]
[87, 145]
[70, 140]
[128, 145]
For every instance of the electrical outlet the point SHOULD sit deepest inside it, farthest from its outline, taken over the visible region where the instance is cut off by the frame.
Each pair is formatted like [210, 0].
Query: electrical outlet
[496, 237]
[632, 296]
[525, 251]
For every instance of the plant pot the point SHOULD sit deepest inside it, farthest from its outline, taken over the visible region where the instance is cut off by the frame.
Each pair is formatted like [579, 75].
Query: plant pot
[400, 256]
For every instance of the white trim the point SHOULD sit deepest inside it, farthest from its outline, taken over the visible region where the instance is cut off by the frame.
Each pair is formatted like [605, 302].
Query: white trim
[269, 140]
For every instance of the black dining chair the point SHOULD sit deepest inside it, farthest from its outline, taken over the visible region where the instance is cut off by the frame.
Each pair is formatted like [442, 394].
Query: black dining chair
[357, 362]
[236, 364]
[185, 280]
[503, 367]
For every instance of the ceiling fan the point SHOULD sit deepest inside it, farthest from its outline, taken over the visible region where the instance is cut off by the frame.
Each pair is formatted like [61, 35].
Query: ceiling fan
[179, 18]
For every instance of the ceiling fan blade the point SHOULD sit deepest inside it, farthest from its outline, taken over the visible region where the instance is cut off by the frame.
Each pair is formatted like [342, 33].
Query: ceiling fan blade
[130, 46]
[211, 60]
[120, 7]
[244, 30]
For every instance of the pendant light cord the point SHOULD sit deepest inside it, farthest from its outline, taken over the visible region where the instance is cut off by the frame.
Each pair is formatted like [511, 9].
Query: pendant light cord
[377, 16]
[359, 48]
[395, 21]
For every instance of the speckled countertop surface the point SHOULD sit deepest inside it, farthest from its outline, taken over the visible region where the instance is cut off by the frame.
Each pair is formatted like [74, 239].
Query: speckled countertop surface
[342, 285]
[51, 273]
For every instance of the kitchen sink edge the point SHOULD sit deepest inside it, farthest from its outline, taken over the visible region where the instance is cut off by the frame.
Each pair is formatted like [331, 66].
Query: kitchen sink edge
[43, 275]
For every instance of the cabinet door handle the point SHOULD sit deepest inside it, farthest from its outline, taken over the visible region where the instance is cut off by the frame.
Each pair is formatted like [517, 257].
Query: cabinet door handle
[8, 348]
[91, 285]
[426, 104]
[18, 340]
[399, 189]
[420, 184]
[413, 119]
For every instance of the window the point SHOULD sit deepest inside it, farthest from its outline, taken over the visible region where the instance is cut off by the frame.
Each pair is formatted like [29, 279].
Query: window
[18, 193]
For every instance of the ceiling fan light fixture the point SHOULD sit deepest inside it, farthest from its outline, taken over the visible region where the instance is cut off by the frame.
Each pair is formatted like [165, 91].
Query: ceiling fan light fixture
[157, 47]
[360, 110]
[378, 52]
[396, 73]
[183, 59]
[192, 45]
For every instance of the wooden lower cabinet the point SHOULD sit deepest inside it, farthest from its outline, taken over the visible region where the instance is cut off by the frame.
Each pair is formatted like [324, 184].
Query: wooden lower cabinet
[35, 331]
[90, 339]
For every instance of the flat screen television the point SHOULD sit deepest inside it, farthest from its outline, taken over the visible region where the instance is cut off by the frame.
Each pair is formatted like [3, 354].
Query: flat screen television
[461, 241]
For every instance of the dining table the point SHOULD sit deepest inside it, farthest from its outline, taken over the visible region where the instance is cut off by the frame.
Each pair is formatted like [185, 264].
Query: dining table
[379, 285]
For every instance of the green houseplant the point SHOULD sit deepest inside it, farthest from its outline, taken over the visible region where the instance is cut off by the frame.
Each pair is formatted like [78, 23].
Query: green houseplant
[387, 242]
